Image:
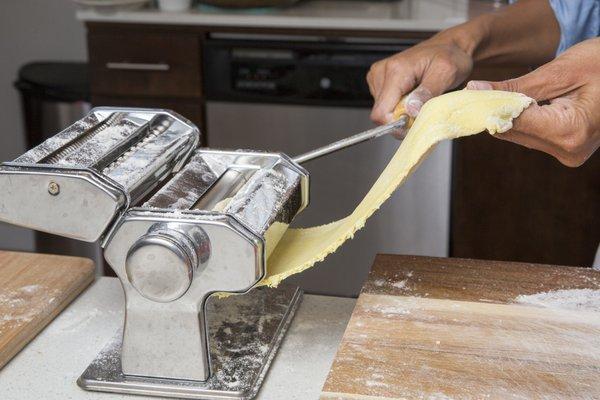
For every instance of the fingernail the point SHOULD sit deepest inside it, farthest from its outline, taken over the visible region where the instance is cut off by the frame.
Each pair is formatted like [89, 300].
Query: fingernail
[413, 106]
[479, 85]
[399, 134]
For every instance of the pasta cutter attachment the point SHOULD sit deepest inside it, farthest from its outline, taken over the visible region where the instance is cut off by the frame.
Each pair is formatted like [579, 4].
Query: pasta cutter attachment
[77, 182]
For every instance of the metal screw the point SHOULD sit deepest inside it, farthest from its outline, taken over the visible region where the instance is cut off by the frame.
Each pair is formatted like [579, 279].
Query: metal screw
[53, 188]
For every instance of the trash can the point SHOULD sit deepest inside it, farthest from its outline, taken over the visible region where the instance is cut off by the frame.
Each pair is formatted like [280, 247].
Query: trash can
[53, 96]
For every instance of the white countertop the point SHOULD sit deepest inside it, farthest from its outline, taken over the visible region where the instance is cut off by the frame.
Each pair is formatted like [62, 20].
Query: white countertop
[48, 367]
[399, 15]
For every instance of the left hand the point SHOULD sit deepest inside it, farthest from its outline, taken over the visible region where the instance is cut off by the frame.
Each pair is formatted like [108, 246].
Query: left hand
[568, 127]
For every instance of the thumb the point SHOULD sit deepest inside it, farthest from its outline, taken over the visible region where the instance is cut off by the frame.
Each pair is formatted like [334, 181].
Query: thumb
[431, 86]
[415, 100]
[544, 83]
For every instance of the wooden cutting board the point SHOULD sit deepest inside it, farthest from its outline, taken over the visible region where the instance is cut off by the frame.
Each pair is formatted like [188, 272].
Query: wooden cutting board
[435, 328]
[35, 288]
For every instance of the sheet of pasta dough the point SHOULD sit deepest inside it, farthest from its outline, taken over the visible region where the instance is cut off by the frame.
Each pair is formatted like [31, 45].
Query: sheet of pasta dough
[452, 115]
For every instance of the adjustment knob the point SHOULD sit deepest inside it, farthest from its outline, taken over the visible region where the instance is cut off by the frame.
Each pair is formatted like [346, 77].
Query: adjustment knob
[161, 264]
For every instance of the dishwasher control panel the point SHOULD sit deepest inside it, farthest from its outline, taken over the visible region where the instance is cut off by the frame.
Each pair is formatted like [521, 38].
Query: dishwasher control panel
[280, 71]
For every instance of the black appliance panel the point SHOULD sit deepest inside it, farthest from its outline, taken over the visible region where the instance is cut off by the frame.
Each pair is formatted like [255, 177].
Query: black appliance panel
[292, 73]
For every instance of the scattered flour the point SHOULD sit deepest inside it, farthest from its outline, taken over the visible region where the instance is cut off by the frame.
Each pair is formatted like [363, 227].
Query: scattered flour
[72, 321]
[379, 282]
[23, 304]
[30, 289]
[573, 299]
[394, 282]
[438, 396]
[371, 383]
[400, 284]
[387, 310]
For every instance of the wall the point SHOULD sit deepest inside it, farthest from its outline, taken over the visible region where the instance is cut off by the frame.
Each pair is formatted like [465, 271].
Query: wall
[30, 30]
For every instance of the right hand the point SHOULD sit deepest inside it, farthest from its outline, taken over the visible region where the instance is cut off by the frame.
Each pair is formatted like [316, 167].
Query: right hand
[425, 70]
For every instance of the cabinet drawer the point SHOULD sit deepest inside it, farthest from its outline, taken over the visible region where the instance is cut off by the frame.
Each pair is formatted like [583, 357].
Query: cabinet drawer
[145, 63]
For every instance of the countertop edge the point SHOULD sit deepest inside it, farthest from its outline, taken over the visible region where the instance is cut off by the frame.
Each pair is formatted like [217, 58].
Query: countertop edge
[268, 21]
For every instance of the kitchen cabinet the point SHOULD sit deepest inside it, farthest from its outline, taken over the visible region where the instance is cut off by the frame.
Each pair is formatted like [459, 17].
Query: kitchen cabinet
[139, 62]
[513, 203]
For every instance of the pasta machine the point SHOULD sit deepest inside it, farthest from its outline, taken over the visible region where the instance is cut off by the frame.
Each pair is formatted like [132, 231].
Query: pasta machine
[177, 224]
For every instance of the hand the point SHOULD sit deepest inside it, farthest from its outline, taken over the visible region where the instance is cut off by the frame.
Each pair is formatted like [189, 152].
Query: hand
[433, 67]
[568, 125]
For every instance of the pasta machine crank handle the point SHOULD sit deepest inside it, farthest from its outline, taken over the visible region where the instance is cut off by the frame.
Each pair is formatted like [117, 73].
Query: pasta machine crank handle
[402, 122]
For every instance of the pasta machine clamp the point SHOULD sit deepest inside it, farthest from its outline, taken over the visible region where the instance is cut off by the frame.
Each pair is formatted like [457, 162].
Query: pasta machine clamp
[178, 224]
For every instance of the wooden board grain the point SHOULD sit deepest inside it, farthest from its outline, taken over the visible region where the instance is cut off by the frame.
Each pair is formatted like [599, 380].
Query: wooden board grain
[34, 288]
[432, 328]
[472, 280]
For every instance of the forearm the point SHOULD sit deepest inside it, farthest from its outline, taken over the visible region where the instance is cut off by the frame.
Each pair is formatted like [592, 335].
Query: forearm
[525, 33]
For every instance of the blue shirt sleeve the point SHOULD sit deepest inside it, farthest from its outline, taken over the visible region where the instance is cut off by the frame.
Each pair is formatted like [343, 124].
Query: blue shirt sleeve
[578, 19]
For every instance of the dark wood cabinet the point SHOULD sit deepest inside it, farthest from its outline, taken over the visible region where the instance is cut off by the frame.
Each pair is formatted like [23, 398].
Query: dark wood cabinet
[512, 203]
[141, 63]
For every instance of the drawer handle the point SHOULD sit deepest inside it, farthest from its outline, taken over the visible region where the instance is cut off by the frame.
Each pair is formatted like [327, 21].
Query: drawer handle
[138, 66]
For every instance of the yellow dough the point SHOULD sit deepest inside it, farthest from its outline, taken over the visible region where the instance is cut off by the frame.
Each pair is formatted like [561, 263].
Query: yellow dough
[452, 115]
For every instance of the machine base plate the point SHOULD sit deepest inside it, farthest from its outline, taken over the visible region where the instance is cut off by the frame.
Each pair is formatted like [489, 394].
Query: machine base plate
[245, 332]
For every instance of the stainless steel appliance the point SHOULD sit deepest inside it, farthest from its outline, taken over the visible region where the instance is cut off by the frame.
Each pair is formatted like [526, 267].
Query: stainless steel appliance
[177, 225]
[292, 94]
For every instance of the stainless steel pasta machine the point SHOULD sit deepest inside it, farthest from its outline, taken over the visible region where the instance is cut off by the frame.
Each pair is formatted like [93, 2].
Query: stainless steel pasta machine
[177, 224]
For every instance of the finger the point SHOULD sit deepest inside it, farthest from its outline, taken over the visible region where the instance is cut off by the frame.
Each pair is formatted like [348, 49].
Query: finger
[437, 78]
[370, 83]
[375, 78]
[395, 85]
[563, 125]
[531, 142]
[400, 134]
[419, 96]
[416, 99]
[479, 85]
[547, 82]
[557, 129]
[548, 122]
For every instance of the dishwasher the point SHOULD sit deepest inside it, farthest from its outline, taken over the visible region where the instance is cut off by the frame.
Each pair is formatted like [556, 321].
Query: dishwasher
[294, 94]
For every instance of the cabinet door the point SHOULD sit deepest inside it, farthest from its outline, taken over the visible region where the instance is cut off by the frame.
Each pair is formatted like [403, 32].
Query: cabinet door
[136, 62]
[515, 204]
